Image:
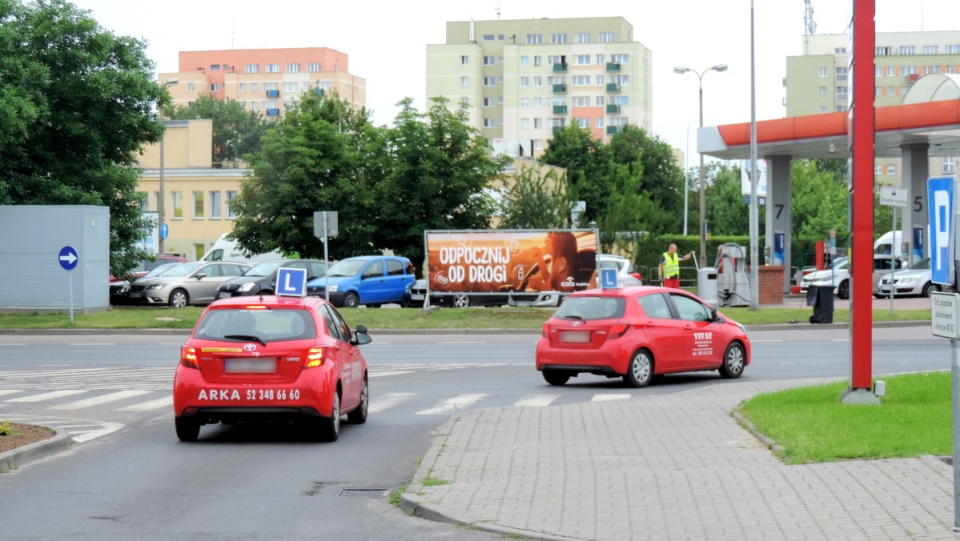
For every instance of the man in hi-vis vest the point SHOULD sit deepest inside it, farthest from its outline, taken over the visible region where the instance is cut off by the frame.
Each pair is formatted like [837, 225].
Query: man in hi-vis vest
[669, 270]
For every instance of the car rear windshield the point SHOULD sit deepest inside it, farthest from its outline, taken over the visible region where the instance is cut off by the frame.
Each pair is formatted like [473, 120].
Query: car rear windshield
[266, 325]
[590, 308]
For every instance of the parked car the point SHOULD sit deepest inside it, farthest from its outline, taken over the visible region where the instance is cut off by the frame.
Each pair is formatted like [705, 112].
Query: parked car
[636, 333]
[282, 359]
[120, 287]
[623, 265]
[371, 280]
[914, 280]
[416, 294]
[261, 279]
[194, 283]
[225, 249]
[839, 276]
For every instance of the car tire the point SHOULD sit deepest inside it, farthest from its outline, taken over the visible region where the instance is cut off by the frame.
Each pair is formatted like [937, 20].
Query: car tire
[640, 370]
[734, 359]
[843, 290]
[359, 415]
[351, 300]
[927, 288]
[187, 429]
[460, 300]
[556, 377]
[328, 428]
[179, 298]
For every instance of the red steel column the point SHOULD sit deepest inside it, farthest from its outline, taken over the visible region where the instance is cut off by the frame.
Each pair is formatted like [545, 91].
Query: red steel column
[861, 292]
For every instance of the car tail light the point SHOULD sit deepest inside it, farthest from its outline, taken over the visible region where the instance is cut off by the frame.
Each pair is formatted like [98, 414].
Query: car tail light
[618, 330]
[188, 357]
[314, 358]
[545, 332]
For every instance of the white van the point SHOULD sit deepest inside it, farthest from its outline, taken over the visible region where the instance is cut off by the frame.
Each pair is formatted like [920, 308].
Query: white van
[228, 250]
[888, 243]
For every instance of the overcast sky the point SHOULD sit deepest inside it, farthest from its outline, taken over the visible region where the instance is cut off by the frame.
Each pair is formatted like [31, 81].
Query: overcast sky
[386, 41]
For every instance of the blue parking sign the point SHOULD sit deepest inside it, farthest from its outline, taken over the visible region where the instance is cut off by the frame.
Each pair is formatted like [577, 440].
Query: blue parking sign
[942, 209]
[291, 282]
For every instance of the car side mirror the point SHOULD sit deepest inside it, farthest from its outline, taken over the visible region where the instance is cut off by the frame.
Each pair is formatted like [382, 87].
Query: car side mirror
[201, 276]
[360, 336]
[713, 314]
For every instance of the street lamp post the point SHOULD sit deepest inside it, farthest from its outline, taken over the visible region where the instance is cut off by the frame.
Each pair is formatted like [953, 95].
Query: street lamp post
[160, 195]
[703, 186]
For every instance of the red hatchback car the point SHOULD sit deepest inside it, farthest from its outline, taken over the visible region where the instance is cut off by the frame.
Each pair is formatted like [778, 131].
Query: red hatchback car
[271, 359]
[637, 333]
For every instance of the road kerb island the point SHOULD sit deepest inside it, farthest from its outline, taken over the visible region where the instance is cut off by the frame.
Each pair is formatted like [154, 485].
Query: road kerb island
[16, 458]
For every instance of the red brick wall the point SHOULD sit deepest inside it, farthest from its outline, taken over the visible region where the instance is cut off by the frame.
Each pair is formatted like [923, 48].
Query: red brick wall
[771, 284]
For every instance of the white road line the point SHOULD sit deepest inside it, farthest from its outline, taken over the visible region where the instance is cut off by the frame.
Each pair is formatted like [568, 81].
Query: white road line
[388, 400]
[44, 396]
[93, 344]
[165, 402]
[537, 400]
[463, 342]
[608, 397]
[453, 405]
[390, 373]
[1, 345]
[107, 429]
[98, 400]
[9, 391]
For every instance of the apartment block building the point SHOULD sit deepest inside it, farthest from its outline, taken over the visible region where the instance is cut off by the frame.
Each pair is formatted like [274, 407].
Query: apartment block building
[819, 80]
[265, 80]
[523, 79]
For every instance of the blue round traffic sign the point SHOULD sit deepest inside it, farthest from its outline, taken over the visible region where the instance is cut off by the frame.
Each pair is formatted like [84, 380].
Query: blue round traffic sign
[68, 257]
[164, 231]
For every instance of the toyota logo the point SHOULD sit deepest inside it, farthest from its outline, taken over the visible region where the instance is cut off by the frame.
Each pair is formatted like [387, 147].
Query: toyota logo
[575, 324]
[249, 347]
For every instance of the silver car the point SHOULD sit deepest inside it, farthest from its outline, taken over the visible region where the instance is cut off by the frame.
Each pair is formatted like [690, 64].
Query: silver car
[188, 283]
[916, 280]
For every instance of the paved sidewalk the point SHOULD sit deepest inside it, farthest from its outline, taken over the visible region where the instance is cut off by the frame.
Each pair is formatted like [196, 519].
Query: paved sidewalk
[666, 467]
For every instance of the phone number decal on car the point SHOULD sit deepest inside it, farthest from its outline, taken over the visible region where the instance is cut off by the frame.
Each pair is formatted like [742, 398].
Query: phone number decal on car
[249, 394]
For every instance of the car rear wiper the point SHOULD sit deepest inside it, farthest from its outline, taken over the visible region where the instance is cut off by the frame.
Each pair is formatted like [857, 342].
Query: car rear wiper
[572, 316]
[246, 337]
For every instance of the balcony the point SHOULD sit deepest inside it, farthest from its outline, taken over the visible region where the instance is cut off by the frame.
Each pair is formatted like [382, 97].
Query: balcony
[612, 108]
[318, 91]
[559, 109]
[560, 67]
[611, 130]
[613, 88]
[559, 89]
[273, 112]
[273, 93]
[613, 66]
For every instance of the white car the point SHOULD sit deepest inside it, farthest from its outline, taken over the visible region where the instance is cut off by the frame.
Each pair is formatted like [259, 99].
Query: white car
[623, 265]
[839, 276]
[916, 280]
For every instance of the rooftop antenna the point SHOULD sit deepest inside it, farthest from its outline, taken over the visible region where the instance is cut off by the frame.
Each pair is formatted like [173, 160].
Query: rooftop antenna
[233, 34]
[809, 26]
[498, 10]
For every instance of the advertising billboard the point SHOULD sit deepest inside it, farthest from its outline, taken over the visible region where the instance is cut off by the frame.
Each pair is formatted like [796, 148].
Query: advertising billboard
[495, 261]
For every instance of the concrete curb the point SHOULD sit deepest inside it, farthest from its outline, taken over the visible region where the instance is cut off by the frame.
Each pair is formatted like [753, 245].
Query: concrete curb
[11, 460]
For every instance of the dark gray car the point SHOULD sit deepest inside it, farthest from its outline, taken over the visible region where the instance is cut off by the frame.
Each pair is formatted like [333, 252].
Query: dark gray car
[262, 277]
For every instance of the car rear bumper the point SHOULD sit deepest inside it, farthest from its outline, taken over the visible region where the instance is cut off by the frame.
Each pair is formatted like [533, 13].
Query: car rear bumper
[611, 358]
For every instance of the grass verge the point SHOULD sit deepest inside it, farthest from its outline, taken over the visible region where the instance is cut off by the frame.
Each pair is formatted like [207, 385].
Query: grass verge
[812, 425]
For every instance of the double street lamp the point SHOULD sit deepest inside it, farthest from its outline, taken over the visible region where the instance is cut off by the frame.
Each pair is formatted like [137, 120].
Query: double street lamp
[160, 196]
[703, 186]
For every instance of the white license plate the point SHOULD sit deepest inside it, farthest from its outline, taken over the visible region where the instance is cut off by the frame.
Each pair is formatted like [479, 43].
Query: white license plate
[416, 297]
[267, 365]
[136, 295]
[575, 337]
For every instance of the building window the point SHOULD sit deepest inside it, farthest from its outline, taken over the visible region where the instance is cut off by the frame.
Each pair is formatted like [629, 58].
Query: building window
[949, 165]
[537, 103]
[884, 51]
[177, 199]
[464, 82]
[599, 122]
[313, 67]
[214, 67]
[489, 81]
[878, 71]
[620, 58]
[556, 80]
[841, 108]
[290, 87]
[908, 49]
[538, 81]
[823, 91]
[537, 123]
[823, 72]
[555, 59]
[488, 102]
[891, 169]
[243, 87]
[271, 86]
[537, 145]
[581, 80]
[908, 70]
[581, 37]
[465, 100]
[489, 61]
[877, 169]
[254, 87]
[488, 123]
[230, 197]
[488, 37]
[841, 74]
[581, 101]
[524, 123]
[878, 91]
[215, 205]
[622, 101]
[622, 80]
[582, 122]
[524, 60]
[581, 59]
[293, 68]
[950, 69]
[608, 37]
[599, 59]
[251, 68]
[534, 39]
[538, 60]
[500, 121]
[254, 105]
[600, 80]
[823, 109]
[198, 204]
[891, 71]
[524, 82]
[551, 102]
[558, 38]
[840, 50]
[952, 49]
[930, 49]
[500, 37]
[524, 103]
[272, 68]
[891, 91]
[601, 101]
[841, 93]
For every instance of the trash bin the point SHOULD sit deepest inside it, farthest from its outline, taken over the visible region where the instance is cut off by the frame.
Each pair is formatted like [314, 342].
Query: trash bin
[821, 299]
[707, 285]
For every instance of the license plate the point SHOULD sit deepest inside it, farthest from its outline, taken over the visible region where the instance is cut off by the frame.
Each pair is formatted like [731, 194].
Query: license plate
[266, 365]
[417, 297]
[575, 337]
[136, 295]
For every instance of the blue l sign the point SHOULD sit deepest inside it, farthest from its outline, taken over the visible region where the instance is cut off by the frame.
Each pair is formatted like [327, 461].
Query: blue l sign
[68, 257]
[940, 198]
[609, 279]
[292, 282]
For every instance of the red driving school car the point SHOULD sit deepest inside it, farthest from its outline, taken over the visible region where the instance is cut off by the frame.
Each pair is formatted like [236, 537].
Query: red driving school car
[271, 359]
[637, 333]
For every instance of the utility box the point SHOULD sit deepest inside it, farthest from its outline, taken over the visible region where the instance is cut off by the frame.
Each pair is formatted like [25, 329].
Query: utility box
[707, 285]
[39, 243]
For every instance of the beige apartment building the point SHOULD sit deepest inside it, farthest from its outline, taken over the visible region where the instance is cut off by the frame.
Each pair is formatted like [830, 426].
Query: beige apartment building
[522, 79]
[819, 80]
[264, 80]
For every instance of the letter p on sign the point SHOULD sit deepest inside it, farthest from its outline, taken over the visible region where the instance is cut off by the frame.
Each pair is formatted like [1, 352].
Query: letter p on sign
[940, 192]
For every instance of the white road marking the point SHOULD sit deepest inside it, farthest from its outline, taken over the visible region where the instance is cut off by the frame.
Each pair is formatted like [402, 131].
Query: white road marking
[9, 391]
[453, 405]
[165, 402]
[390, 373]
[1, 345]
[108, 428]
[93, 344]
[388, 400]
[537, 400]
[463, 342]
[609, 397]
[98, 400]
[45, 396]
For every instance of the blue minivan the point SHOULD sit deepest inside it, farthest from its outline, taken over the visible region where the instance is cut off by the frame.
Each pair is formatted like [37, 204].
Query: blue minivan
[371, 280]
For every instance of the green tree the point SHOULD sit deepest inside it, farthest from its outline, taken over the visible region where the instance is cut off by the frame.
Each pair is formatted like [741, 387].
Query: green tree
[630, 212]
[312, 160]
[662, 177]
[438, 170]
[819, 201]
[588, 168]
[236, 132]
[76, 109]
[727, 214]
[536, 200]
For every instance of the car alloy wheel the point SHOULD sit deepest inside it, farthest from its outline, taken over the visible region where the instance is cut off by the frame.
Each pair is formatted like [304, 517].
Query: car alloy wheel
[734, 360]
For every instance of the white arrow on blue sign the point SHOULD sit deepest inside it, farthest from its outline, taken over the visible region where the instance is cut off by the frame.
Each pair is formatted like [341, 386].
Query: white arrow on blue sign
[291, 282]
[164, 231]
[68, 257]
